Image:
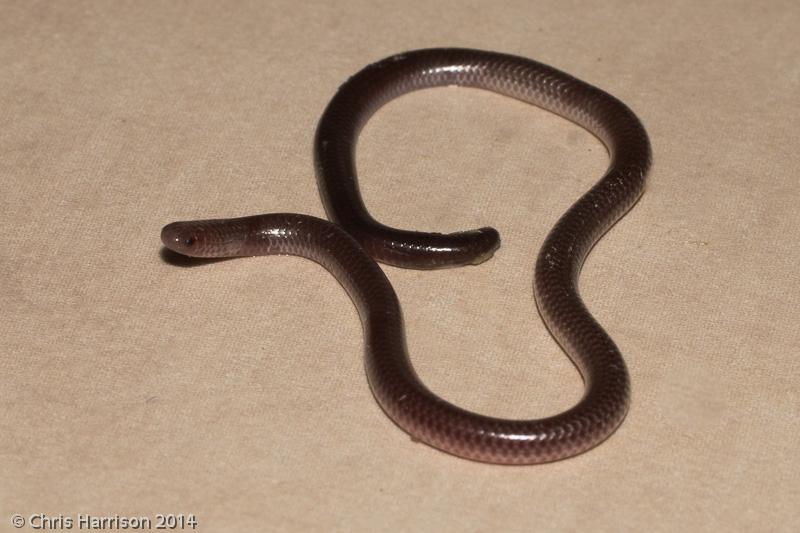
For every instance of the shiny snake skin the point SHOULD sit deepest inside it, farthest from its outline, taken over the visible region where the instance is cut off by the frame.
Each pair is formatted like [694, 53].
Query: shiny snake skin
[398, 390]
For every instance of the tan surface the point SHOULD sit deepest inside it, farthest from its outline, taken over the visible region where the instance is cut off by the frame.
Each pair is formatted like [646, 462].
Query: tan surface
[235, 391]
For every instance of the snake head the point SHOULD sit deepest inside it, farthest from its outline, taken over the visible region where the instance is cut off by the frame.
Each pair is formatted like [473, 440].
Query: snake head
[202, 238]
[183, 238]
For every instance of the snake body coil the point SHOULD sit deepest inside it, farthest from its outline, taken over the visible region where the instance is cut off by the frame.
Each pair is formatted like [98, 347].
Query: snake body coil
[394, 383]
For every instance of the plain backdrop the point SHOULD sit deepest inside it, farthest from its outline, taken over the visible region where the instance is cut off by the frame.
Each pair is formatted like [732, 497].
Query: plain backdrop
[235, 391]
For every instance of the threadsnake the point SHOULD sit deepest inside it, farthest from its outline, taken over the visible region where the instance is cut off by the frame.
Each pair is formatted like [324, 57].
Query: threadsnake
[350, 247]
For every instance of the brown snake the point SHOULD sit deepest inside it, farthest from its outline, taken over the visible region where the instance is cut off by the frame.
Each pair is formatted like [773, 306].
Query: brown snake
[346, 254]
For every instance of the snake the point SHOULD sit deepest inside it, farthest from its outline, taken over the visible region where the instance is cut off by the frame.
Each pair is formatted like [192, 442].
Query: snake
[349, 244]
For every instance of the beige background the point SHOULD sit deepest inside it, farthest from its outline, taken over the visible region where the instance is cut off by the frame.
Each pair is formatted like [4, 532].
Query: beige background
[235, 391]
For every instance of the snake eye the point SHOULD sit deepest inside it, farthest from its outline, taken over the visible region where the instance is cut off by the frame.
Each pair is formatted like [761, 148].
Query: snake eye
[188, 241]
